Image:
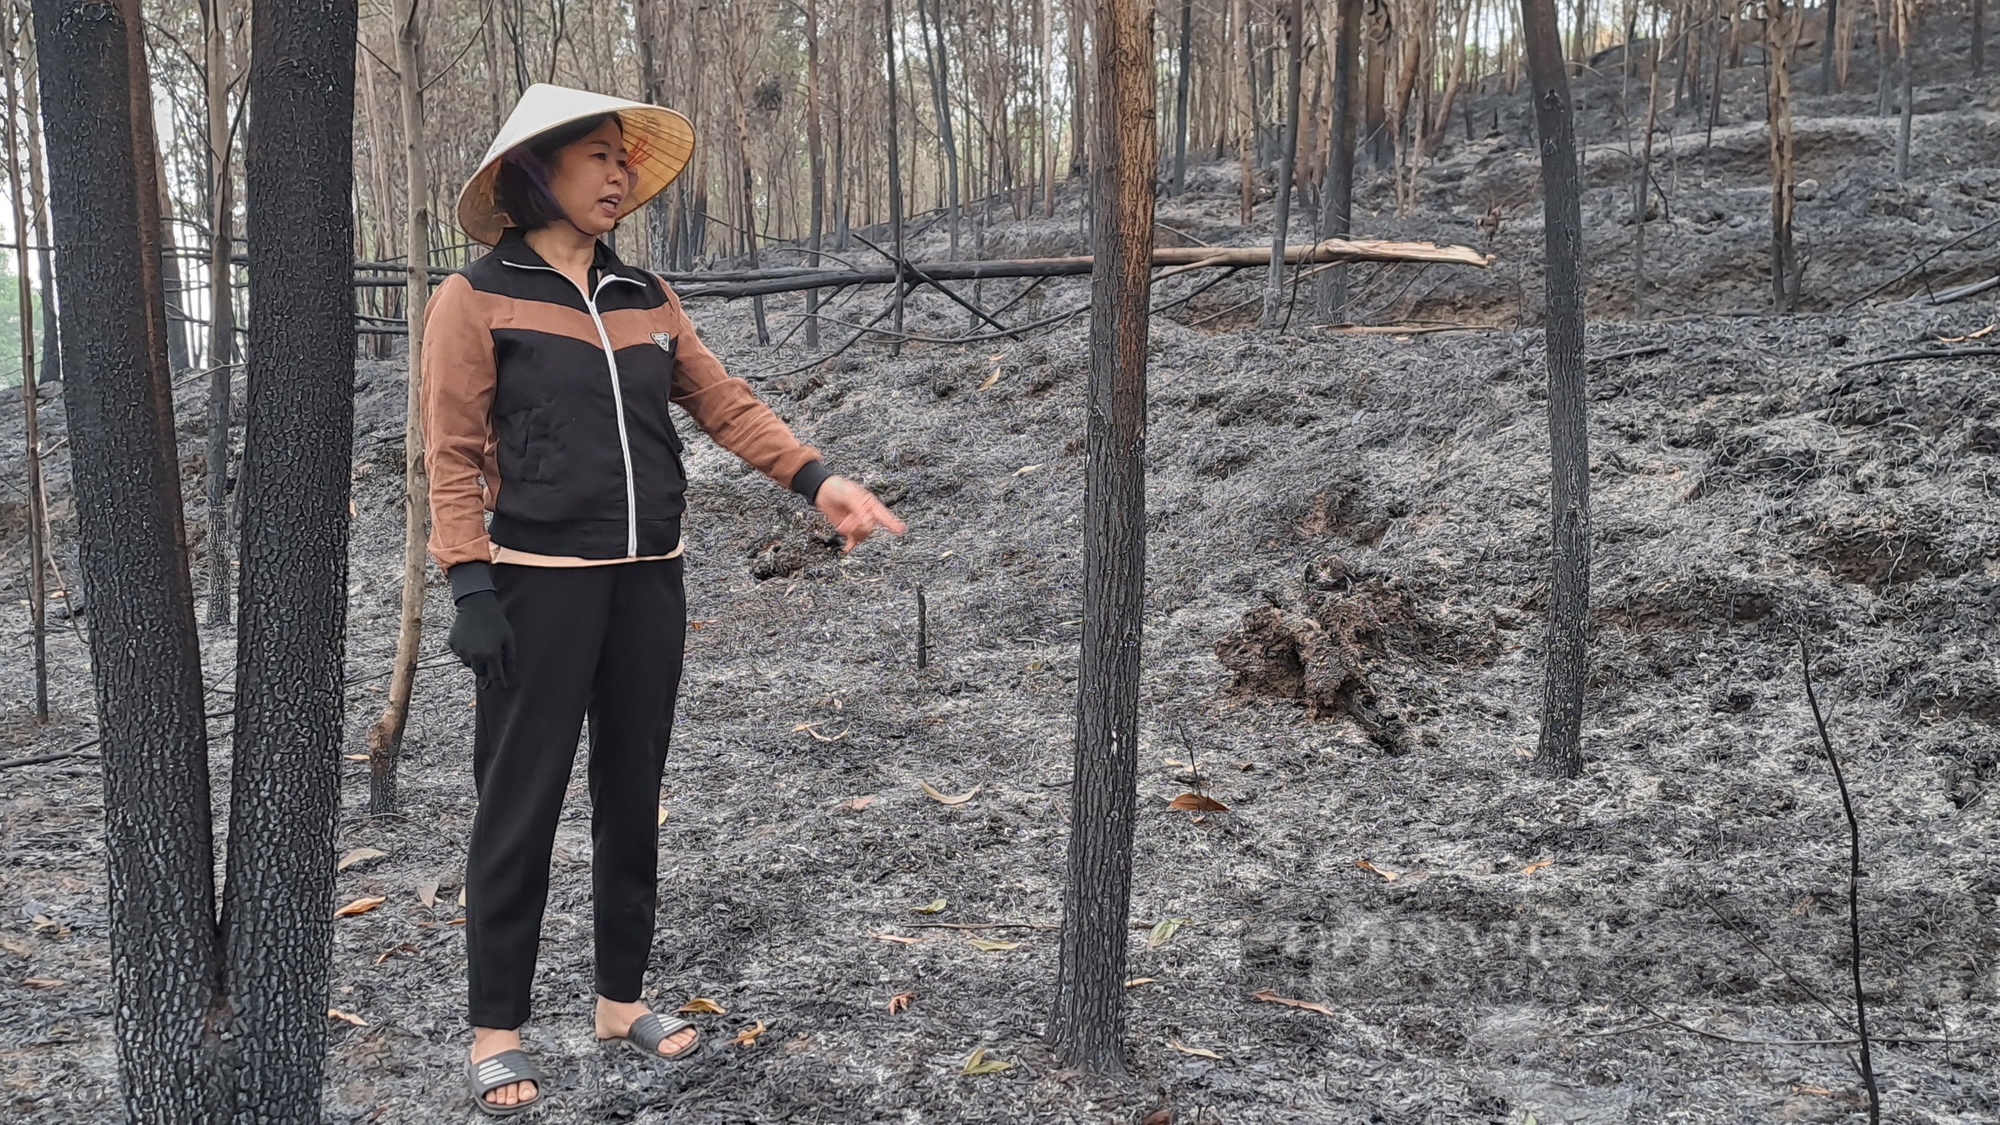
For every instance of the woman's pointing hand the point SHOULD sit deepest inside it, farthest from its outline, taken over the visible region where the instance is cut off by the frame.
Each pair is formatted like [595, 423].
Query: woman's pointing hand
[854, 511]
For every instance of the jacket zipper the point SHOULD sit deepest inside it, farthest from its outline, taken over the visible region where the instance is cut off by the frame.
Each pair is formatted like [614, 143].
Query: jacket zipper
[617, 394]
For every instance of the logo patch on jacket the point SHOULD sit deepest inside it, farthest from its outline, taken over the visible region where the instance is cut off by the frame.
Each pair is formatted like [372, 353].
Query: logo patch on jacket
[665, 340]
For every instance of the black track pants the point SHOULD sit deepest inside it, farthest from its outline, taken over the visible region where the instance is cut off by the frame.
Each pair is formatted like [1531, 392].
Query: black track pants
[605, 641]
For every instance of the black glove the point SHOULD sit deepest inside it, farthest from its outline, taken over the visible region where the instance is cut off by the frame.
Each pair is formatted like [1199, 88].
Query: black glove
[480, 637]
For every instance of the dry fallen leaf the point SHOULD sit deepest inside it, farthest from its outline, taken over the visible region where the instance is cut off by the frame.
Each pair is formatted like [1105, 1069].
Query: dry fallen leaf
[1364, 865]
[350, 1017]
[427, 892]
[898, 939]
[1163, 932]
[978, 1063]
[938, 795]
[1028, 468]
[1270, 997]
[934, 906]
[355, 757]
[701, 1005]
[993, 945]
[356, 856]
[461, 896]
[1536, 866]
[663, 814]
[360, 906]
[1161, 1116]
[748, 1036]
[900, 1001]
[859, 803]
[43, 982]
[1137, 981]
[991, 379]
[1197, 802]
[1183, 1048]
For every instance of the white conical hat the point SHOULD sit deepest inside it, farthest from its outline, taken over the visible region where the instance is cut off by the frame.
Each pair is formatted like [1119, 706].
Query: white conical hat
[658, 142]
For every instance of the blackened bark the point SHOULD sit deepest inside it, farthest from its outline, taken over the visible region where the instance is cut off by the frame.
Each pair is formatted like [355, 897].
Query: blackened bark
[1336, 213]
[816, 157]
[1274, 286]
[1561, 747]
[221, 308]
[298, 450]
[1181, 97]
[145, 660]
[895, 165]
[1088, 1028]
[31, 422]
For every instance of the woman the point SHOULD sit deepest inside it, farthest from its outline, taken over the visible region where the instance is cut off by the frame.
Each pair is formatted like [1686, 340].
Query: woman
[548, 369]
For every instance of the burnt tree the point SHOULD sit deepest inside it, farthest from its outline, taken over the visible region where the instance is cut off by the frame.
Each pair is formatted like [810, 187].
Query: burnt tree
[145, 657]
[1088, 1028]
[1336, 212]
[1561, 748]
[298, 445]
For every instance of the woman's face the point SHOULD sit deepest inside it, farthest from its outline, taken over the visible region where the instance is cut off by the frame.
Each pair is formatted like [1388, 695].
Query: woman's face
[589, 179]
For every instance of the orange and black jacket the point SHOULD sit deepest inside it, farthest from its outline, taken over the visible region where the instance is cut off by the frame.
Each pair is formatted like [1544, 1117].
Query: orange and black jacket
[547, 406]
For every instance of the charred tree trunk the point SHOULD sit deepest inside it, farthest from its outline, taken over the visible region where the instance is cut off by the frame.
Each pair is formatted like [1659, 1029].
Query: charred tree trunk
[1181, 97]
[221, 307]
[816, 155]
[938, 62]
[1246, 114]
[1779, 36]
[1274, 286]
[748, 185]
[895, 164]
[385, 738]
[1336, 215]
[1088, 1027]
[1375, 105]
[51, 351]
[298, 447]
[145, 657]
[1561, 748]
[659, 220]
[1906, 35]
[1643, 190]
[1827, 37]
[1978, 35]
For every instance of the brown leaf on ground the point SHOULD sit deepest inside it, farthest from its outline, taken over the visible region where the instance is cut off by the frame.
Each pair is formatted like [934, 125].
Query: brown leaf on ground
[1364, 865]
[1204, 1052]
[858, 803]
[1161, 1116]
[993, 945]
[360, 906]
[701, 1005]
[748, 1036]
[350, 1017]
[934, 906]
[357, 856]
[900, 1001]
[1137, 981]
[1536, 866]
[897, 939]
[1270, 997]
[427, 892]
[405, 947]
[978, 1063]
[1197, 802]
[939, 796]
[43, 982]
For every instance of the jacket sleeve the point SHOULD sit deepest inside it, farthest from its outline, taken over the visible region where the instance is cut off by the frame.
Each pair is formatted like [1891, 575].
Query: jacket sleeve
[730, 412]
[458, 374]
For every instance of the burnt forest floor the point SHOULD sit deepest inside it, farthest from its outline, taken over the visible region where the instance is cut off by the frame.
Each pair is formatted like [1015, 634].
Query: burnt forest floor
[1346, 565]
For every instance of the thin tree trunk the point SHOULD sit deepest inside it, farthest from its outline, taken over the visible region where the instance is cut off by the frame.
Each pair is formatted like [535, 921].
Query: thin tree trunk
[1561, 748]
[298, 457]
[1337, 212]
[1375, 103]
[1644, 189]
[51, 351]
[1047, 69]
[145, 655]
[895, 165]
[385, 738]
[816, 154]
[936, 63]
[221, 307]
[1181, 97]
[1088, 1028]
[1274, 287]
[749, 192]
[1778, 39]
[1978, 35]
[659, 223]
[1826, 44]
[38, 592]
[1246, 175]
[1906, 33]
[170, 270]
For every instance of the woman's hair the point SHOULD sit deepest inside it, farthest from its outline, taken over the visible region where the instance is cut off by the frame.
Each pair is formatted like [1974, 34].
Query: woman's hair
[522, 185]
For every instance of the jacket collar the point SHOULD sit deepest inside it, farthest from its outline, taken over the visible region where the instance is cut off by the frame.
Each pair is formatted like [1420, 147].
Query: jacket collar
[513, 248]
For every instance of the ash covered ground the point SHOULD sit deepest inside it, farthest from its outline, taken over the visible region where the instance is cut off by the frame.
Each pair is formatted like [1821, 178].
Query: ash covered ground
[1346, 582]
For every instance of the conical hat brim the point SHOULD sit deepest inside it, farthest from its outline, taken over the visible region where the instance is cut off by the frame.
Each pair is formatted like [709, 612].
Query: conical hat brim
[658, 143]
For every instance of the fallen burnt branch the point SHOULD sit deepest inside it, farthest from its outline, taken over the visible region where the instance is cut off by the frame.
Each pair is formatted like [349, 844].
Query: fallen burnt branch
[1909, 357]
[748, 283]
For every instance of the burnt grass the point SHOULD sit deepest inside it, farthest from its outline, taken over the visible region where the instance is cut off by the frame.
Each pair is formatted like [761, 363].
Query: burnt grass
[1346, 582]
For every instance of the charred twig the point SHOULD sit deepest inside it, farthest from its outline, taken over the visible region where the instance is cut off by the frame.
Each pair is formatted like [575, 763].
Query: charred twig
[980, 926]
[77, 751]
[1779, 965]
[1906, 357]
[1630, 353]
[1853, 886]
[917, 271]
[1718, 1036]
